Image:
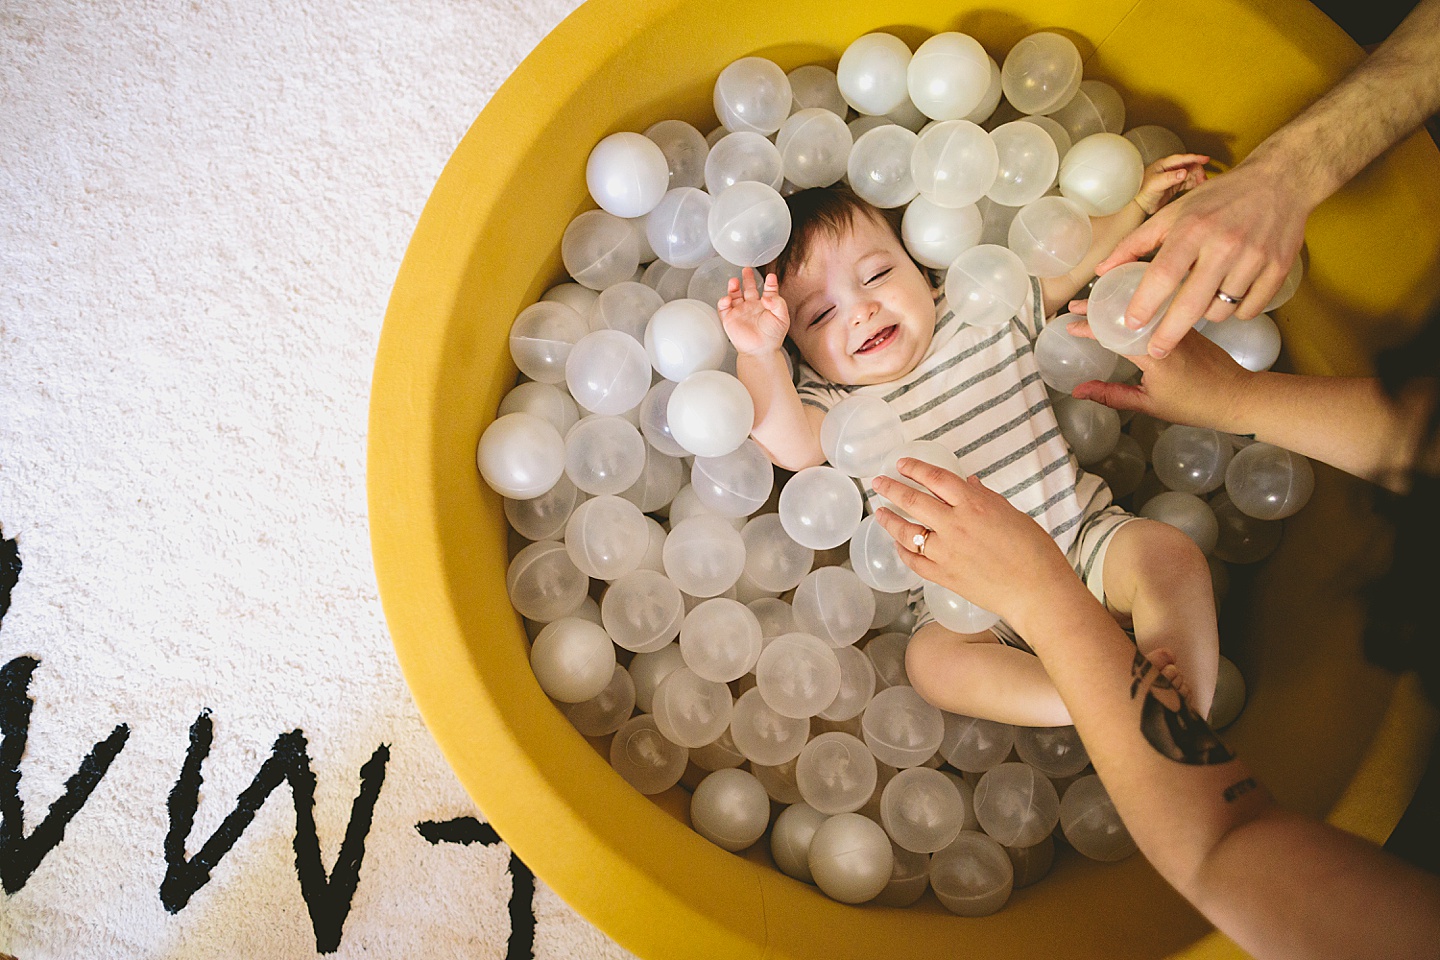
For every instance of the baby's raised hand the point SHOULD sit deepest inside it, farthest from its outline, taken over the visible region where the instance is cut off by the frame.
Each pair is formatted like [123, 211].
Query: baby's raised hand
[756, 320]
[1168, 177]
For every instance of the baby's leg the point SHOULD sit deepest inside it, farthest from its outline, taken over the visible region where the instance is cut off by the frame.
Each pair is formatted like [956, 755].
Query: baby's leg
[978, 676]
[1156, 578]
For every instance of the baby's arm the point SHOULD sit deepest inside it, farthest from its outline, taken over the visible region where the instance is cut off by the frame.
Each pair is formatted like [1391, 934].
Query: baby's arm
[1165, 179]
[756, 321]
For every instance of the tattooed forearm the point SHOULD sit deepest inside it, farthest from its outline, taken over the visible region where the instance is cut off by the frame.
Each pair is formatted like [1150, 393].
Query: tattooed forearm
[1237, 790]
[1171, 727]
[1139, 669]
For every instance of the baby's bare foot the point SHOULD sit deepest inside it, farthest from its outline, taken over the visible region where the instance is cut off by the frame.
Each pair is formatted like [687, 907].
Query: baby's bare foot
[1164, 661]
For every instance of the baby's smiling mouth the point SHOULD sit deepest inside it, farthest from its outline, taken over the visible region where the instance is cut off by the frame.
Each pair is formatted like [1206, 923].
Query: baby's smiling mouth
[880, 339]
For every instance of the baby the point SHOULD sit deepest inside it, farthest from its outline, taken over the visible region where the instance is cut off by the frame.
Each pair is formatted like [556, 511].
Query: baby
[866, 318]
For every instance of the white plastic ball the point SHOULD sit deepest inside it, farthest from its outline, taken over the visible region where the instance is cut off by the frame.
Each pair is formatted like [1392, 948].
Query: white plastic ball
[875, 556]
[1187, 513]
[711, 280]
[956, 613]
[573, 295]
[879, 166]
[775, 615]
[850, 858]
[813, 85]
[936, 235]
[730, 809]
[764, 735]
[814, 146]
[798, 675]
[1066, 361]
[720, 639]
[953, 163]
[1091, 429]
[749, 224]
[679, 228]
[1254, 344]
[606, 537]
[1095, 108]
[752, 94]
[1154, 142]
[684, 148]
[1041, 73]
[544, 400]
[790, 838]
[1028, 164]
[873, 73]
[921, 810]
[1058, 136]
[973, 877]
[901, 729]
[672, 283]
[1229, 695]
[991, 99]
[986, 286]
[542, 337]
[773, 560]
[544, 517]
[655, 420]
[1101, 173]
[608, 372]
[743, 156]
[1268, 482]
[642, 611]
[518, 456]
[1016, 804]
[573, 659]
[658, 483]
[649, 668]
[1050, 236]
[857, 685]
[1109, 299]
[735, 485]
[704, 555]
[710, 413]
[857, 433]
[948, 76]
[1091, 823]
[627, 174]
[974, 744]
[599, 250]
[687, 504]
[691, 710]
[685, 337]
[607, 711]
[627, 306]
[1055, 751]
[1191, 459]
[836, 773]
[834, 604]
[604, 455]
[820, 507]
[644, 758]
[543, 583]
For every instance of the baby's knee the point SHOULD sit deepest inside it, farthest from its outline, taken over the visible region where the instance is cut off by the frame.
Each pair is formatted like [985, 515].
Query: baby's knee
[1168, 551]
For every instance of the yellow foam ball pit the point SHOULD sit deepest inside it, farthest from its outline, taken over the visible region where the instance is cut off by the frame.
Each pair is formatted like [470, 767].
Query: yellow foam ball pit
[1329, 734]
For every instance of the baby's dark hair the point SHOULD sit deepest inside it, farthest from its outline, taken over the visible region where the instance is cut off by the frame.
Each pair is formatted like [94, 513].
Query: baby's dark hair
[827, 212]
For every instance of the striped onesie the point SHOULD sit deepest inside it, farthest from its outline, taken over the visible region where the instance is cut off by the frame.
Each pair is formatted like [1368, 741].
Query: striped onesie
[978, 391]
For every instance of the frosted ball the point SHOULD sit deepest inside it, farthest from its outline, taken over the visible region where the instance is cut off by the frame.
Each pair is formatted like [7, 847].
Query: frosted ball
[678, 228]
[627, 174]
[948, 76]
[642, 611]
[857, 685]
[542, 337]
[1091, 823]
[778, 780]
[887, 653]
[813, 85]
[873, 73]
[1229, 695]
[642, 246]
[543, 583]
[749, 224]
[1154, 142]
[858, 432]
[1109, 299]
[986, 286]
[995, 220]
[655, 420]
[1091, 429]
[719, 754]
[909, 878]
[685, 337]
[1268, 482]
[691, 710]
[833, 604]
[518, 456]
[1028, 164]
[774, 561]
[820, 507]
[764, 735]
[921, 810]
[1058, 136]
[711, 280]
[753, 94]
[1254, 344]
[926, 450]
[608, 372]
[544, 517]
[901, 729]
[1041, 73]
[1095, 108]
[654, 558]
[879, 166]
[850, 858]
[953, 163]
[790, 839]
[627, 307]
[721, 639]
[1050, 236]
[836, 773]
[644, 758]
[1241, 537]
[710, 413]
[936, 235]
[862, 125]
[974, 744]
[730, 809]
[606, 537]
[1066, 361]
[1289, 286]
[973, 877]
[607, 711]
[704, 555]
[544, 400]
[743, 156]
[1054, 751]
[672, 283]
[599, 250]
[1192, 459]
[572, 295]
[798, 675]
[684, 148]
[1016, 804]
[648, 669]
[775, 615]
[658, 484]
[890, 607]
[956, 613]
[687, 504]
[814, 146]
[604, 455]
[735, 485]
[876, 558]
[573, 659]
[1101, 173]
[1186, 512]
[1032, 863]
[1124, 469]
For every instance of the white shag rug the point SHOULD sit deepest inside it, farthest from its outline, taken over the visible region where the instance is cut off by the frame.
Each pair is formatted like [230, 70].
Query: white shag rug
[203, 207]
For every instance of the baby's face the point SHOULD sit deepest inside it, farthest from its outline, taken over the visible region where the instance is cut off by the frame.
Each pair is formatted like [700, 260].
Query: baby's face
[860, 309]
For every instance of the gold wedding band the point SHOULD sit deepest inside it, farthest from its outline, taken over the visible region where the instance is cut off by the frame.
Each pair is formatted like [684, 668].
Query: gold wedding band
[919, 540]
[1222, 295]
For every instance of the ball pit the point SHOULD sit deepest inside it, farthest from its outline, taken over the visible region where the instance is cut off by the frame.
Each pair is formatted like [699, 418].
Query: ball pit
[482, 252]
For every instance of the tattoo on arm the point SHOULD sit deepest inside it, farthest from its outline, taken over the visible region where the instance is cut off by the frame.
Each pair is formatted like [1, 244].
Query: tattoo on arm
[1237, 790]
[1166, 720]
[1139, 669]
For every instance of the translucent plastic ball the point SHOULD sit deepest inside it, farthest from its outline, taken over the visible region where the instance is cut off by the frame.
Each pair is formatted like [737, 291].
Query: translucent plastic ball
[926, 450]
[813, 85]
[1186, 512]
[573, 659]
[719, 754]
[1101, 173]
[876, 559]
[862, 125]
[685, 337]
[1058, 136]
[858, 432]
[995, 220]
[642, 755]
[599, 250]
[672, 283]
[627, 174]
[814, 145]
[543, 583]
[1091, 429]
[1091, 824]
[752, 94]
[835, 605]
[678, 228]
[655, 420]
[1124, 469]
[948, 76]
[1109, 299]
[1154, 142]
[1066, 361]
[1028, 164]
[735, 485]
[956, 613]
[986, 107]
[604, 455]
[835, 773]
[1032, 863]
[642, 611]
[648, 669]
[704, 555]
[730, 809]
[658, 484]
[518, 456]
[627, 307]
[887, 653]
[738, 157]
[1054, 751]
[1254, 344]
[1229, 695]
[1289, 286]
[936, 235]
[606, 537]
[873, 73]
[901, 729]
[749, 223]
[921, 810]
[607, 711]
[790, 839]
[1095, 108]
[608, 372]
[1041, 73]
[820, 507]
[684, 148]
[775, 615]
[710, 413]
[573, 295]
[721, 639]
[544, 517]
[542, 337]
[1192, 459]
[974, 744]
[953, 163]
[690, 710]
[1050, 236]
[544, 400]
[1268, 482]
[1242, 538]
[857, 685]
[890, 607]
[798, 675]
[879, 166]
[1017, 805]
[773, 560]
[850, 858]
[973, 877]
[765, 735]
[711, 279]
[778, 780]
[986, 286]
[686, 505]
